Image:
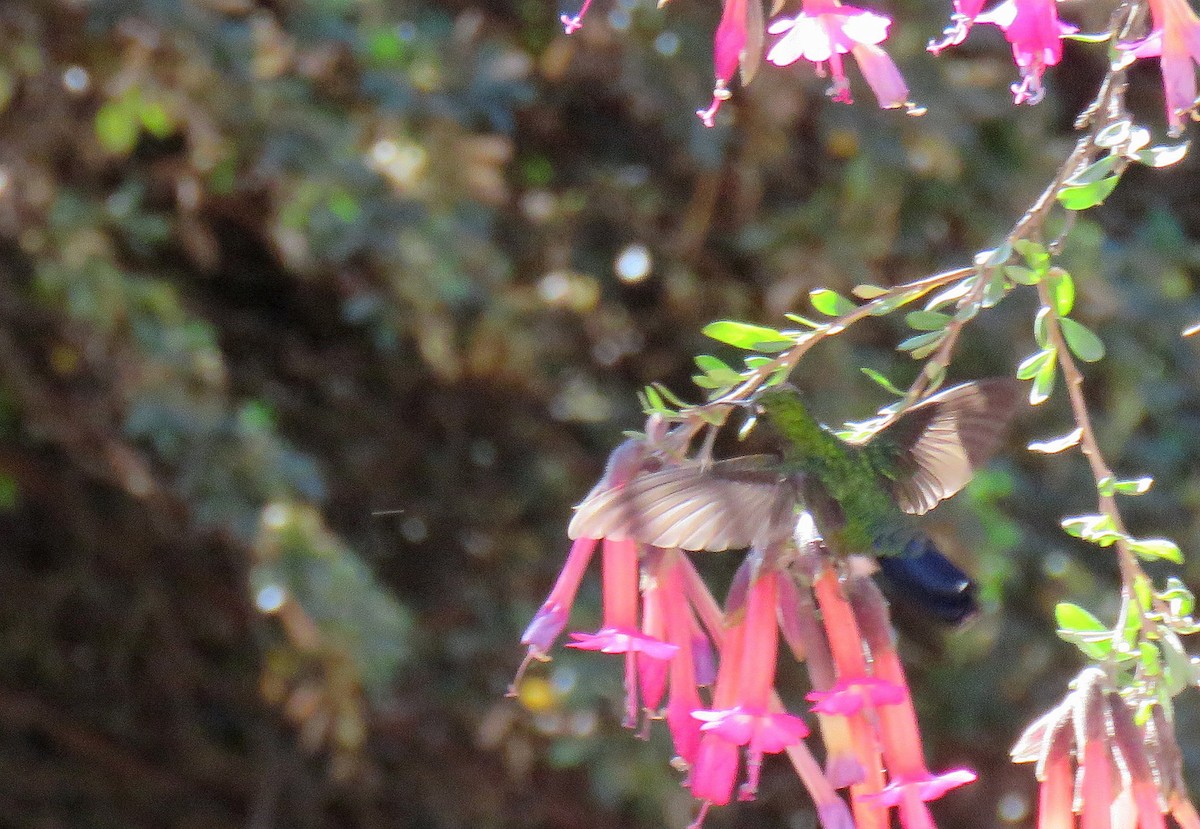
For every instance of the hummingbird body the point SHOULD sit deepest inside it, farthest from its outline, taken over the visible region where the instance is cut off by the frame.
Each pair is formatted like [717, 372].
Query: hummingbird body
[862, 496]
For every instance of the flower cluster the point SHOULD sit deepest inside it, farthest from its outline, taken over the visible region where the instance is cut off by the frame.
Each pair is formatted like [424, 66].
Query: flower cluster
[1094, 760]
[824, 32]
[659, 614]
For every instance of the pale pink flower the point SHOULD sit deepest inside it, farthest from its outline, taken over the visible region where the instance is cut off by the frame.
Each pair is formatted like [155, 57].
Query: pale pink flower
[823, 32]
[1175, 40]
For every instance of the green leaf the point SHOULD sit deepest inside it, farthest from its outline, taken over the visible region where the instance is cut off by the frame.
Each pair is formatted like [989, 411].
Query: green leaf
[1156, 548]
[1094, 172]
[1114, 134]
[995, 289]
[830, 303]
[1036, 256]
[1040, 332]
[706, 382]
[1137, 486]
[868, 291]
[882, 381]
[1098, 529]
[1150, 658]
[1163, 156]
[927, 320]
[668, 395]
[717, 370]
[1043, 382]
[885, 306]
[745, 335]
[1083, 343]
[1084, 37]
[1062, 290]
[1083, 196]
[805, 321]
[1181, 600]
[1179, 673]
[920, 340]
[1032, 364]
[1071, 618]
[1022, 276]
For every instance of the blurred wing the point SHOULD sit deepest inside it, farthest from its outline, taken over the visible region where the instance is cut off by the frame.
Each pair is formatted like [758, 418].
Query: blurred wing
[932, 450]
[730, 504]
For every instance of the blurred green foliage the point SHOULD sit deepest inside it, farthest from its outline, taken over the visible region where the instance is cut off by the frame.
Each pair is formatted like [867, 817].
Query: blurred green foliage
[312, 330]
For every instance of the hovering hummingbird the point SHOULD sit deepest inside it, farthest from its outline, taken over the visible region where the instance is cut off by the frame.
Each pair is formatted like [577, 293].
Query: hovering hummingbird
[862, 496]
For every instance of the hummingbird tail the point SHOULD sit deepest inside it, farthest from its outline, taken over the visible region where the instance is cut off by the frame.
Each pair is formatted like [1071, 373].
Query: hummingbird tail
[926, 578]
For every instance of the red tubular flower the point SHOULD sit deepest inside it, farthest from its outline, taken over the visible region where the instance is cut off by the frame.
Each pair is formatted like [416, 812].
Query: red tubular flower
[1143, 788]
[1175, 40]
[1058, 779]
[910, 784]
[620, 633]
[750, 720]
[715, 771]
[1096, 763]
[684, 696]
[846, 645]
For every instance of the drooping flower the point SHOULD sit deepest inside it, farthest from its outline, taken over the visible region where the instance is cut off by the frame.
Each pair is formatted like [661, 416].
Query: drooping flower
[619, 632]
[1035, 32]
[1175, 40]
[910, 783]
[548, 623]
[751, 720]
[823, 32]
[728, 45]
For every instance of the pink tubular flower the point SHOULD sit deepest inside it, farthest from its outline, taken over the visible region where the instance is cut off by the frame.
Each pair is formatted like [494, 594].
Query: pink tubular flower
[750, 720]
[551, 618]
[684, 696]
[728, 44]
[1175, 40]
[910, 784]
[824, 31]
[620, 633]
[1035, 32]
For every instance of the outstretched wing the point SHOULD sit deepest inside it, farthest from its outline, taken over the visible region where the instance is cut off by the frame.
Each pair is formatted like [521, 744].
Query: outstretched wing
[932, 450]
[727, 505]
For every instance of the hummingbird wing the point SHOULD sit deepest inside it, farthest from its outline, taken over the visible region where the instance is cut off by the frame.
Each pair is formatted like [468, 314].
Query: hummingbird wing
[931, 451]
[726, 505]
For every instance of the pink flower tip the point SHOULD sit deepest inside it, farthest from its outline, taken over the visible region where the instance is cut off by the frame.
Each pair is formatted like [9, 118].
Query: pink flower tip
[618, 640]
[721, 94]
[847, 697]
[545, 627]
[926, 788]
[766, 733]
[571, 25]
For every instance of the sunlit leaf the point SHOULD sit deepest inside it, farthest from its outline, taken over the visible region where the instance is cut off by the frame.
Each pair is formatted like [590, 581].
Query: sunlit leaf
[1163, 156]
[1059, 444]
[1083, 343]
[1084, 196]
[717, 370]
[1156, 548]
[882, 381]
[1062, 290]
[830, 303]
[745, 335]
[1043, 383]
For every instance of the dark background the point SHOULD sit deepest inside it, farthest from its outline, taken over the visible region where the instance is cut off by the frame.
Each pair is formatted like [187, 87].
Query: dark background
[311, 333]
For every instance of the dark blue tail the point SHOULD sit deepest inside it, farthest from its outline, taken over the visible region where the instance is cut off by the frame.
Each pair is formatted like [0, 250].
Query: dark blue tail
[926, 578]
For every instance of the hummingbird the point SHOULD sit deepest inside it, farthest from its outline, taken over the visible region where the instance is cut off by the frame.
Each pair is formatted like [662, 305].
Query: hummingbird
[863, 496]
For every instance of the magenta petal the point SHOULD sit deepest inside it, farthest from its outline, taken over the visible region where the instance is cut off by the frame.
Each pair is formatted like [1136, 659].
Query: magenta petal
[776, 732]
[1149, 47]
[616, 640]
[929, 788]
